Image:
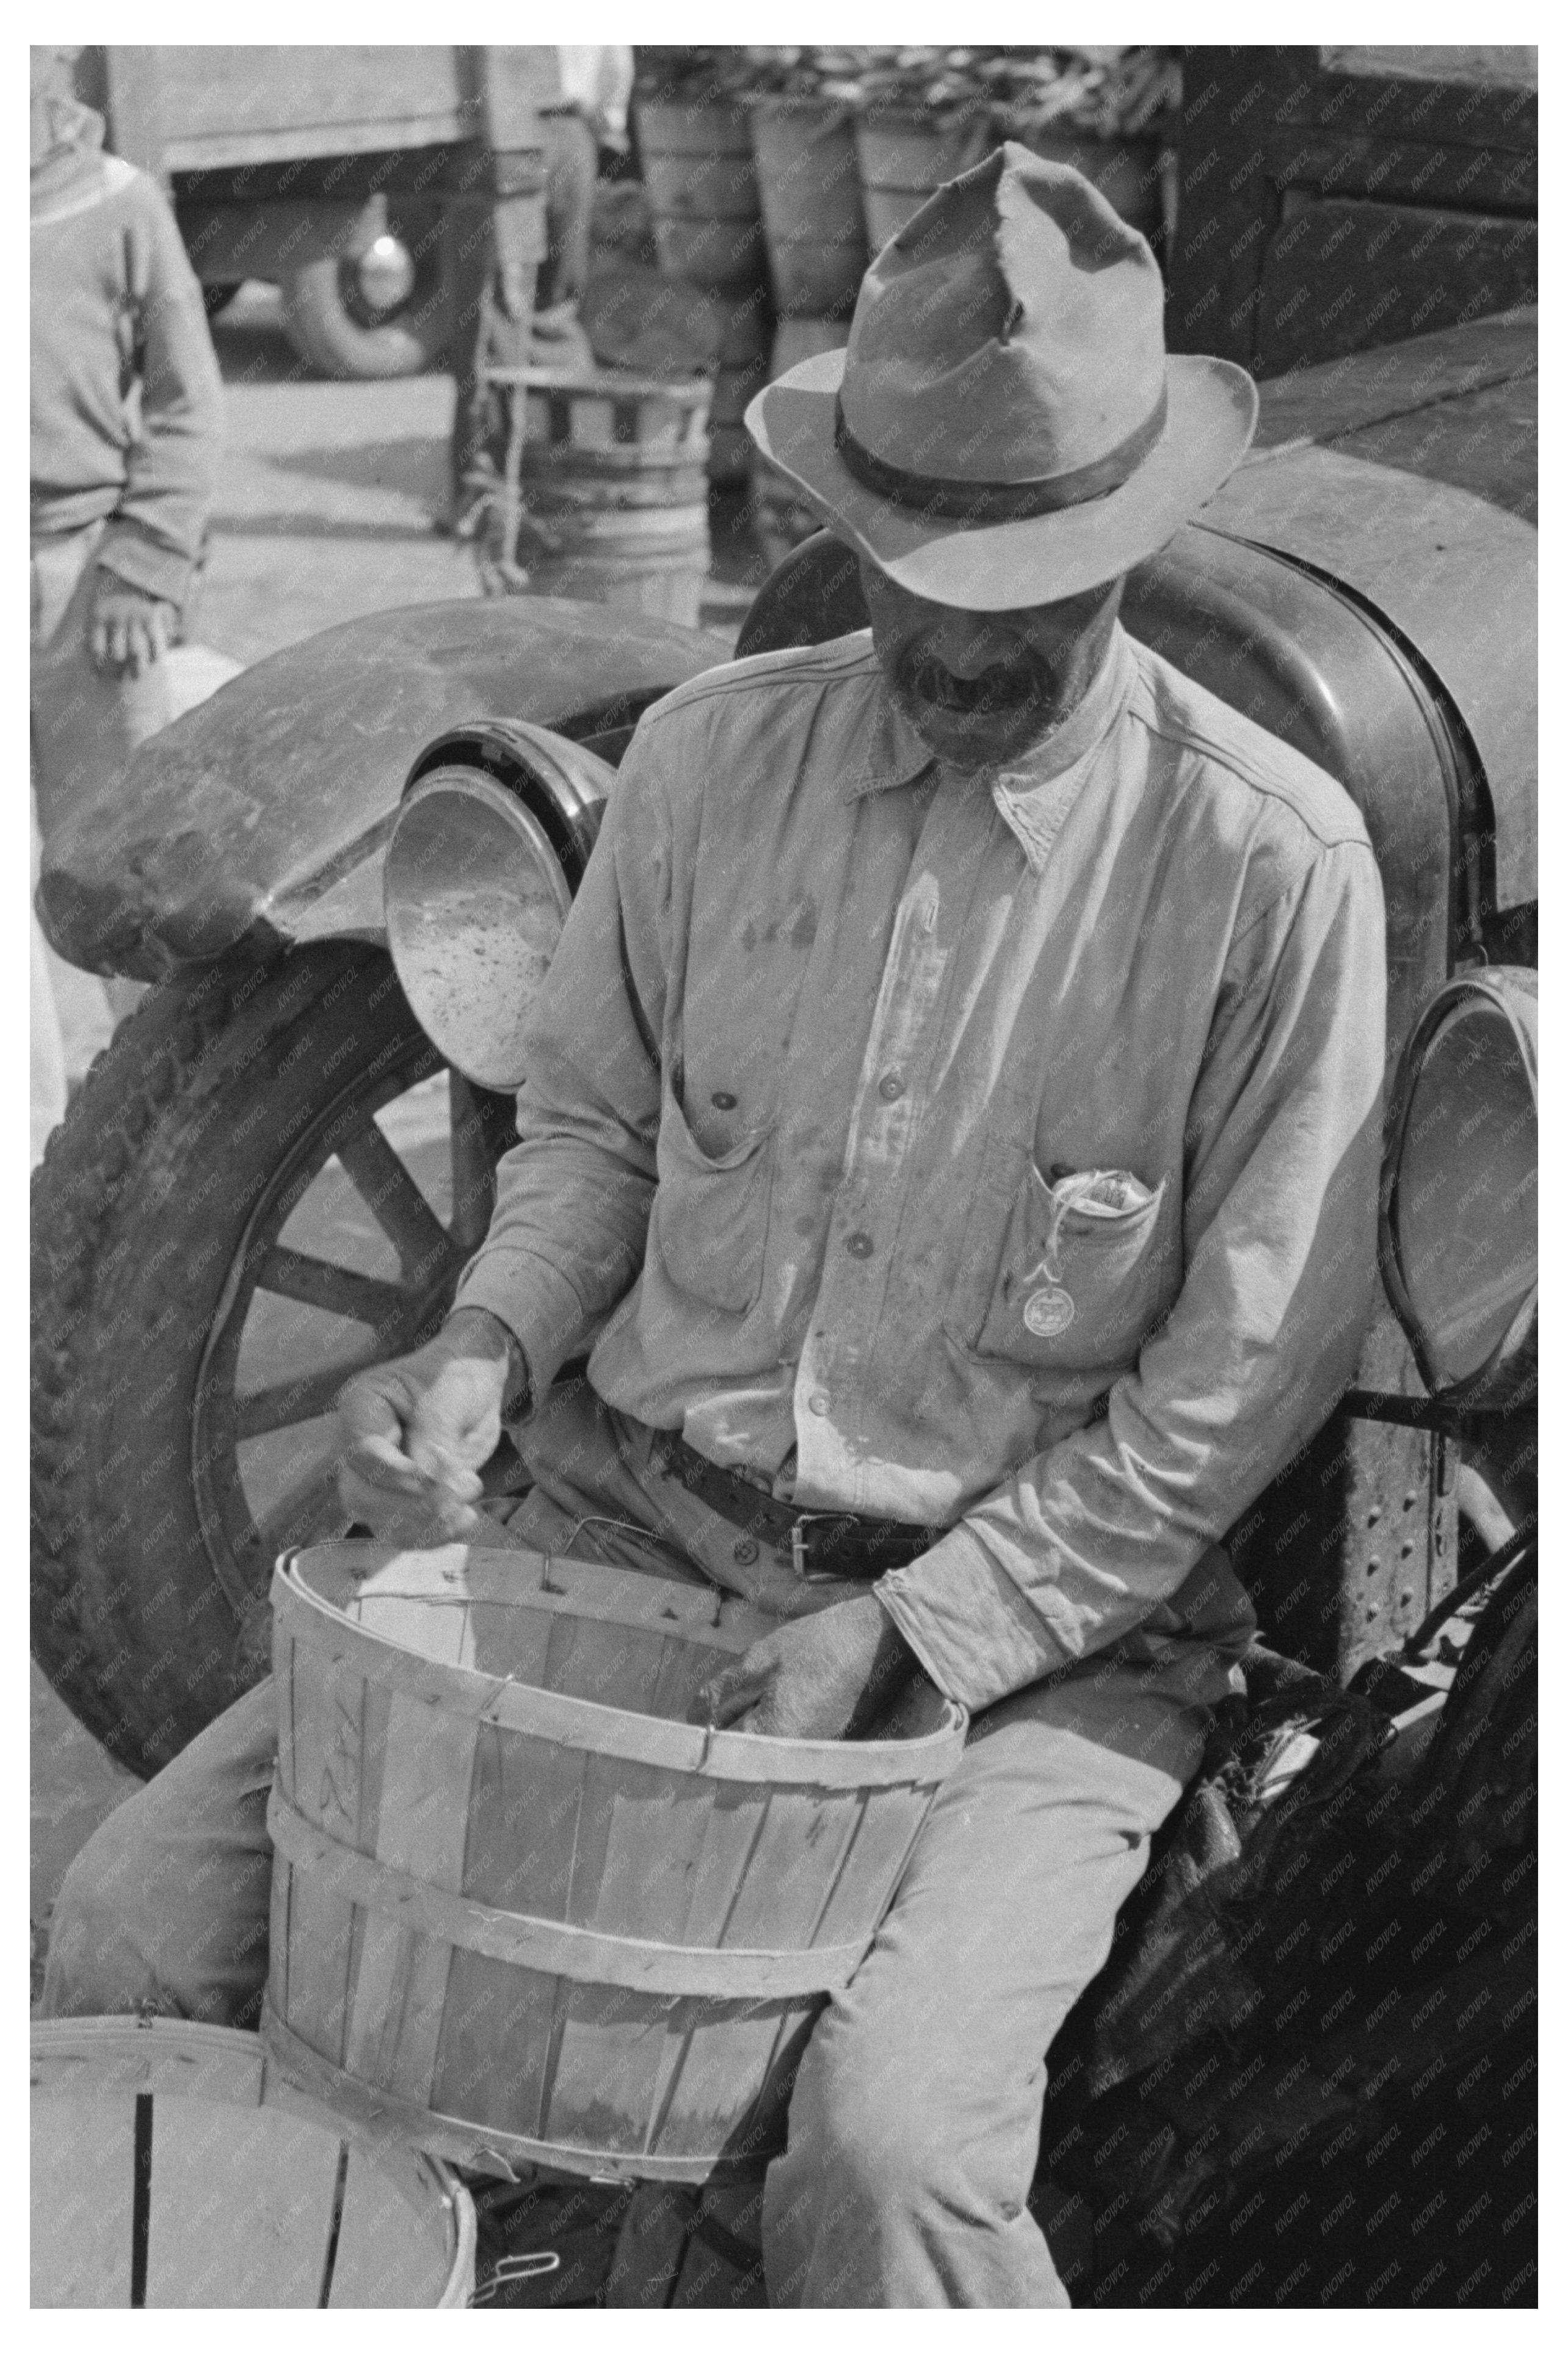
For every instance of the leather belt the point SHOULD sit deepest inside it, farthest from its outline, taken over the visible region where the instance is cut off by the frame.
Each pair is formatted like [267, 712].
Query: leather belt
[819, 1544]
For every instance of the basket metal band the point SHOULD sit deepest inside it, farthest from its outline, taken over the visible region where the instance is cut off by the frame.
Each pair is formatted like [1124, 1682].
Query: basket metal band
[556, 1948]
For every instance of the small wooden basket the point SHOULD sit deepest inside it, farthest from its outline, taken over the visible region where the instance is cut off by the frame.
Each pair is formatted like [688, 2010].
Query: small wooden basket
[171, 2167]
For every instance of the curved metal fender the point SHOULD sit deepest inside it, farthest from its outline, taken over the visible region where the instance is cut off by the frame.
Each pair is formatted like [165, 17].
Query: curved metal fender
[1455, 575]
[233, 823]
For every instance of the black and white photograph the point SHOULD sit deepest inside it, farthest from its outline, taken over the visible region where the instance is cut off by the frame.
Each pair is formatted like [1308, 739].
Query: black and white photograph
[783, 1106]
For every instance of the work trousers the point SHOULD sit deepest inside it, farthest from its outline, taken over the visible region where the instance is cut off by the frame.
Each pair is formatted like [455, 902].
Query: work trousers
[914, 2121]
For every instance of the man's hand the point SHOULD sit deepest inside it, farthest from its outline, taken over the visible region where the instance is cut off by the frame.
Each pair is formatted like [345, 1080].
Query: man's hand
[816, 1679]
[130, 629]
[413, 1434]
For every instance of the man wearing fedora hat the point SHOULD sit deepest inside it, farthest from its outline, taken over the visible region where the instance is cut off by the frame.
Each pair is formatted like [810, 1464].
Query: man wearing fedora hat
[952, 1121]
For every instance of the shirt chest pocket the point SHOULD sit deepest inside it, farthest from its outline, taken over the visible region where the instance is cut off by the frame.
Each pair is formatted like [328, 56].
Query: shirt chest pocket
[1085, 1264]
[709, 1224]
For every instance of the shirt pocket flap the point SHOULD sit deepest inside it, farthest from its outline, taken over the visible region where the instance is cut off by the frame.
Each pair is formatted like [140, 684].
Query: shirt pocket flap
[709, 1223]
[676, 1139]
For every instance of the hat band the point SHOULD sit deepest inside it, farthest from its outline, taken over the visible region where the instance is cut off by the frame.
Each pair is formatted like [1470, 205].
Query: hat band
[939, 498]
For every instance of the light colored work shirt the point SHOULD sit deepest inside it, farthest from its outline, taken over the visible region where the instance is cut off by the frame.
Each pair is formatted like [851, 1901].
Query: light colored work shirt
[991, 1151]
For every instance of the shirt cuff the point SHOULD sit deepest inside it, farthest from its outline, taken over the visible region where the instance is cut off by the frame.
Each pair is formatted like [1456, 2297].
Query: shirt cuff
[538, 1306]
[967, 1623]
[138, 560]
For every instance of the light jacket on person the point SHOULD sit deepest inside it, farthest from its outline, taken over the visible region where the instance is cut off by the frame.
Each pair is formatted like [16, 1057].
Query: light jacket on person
[126, 409]
[994, 1151]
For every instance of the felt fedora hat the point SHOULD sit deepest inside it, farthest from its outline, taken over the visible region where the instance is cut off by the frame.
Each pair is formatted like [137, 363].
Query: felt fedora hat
[1005, 427]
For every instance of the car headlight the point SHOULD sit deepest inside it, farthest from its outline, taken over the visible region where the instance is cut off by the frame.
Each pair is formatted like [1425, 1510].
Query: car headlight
[1459, 1188]
[475, 899]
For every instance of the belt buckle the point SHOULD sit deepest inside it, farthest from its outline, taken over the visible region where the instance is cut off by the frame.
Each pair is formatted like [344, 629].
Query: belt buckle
[801, 1561]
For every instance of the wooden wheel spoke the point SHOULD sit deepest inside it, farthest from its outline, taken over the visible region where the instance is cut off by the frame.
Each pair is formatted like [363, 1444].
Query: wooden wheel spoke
[340, 1290]
[473, 1175]
[395, 1202]
[257, 1411]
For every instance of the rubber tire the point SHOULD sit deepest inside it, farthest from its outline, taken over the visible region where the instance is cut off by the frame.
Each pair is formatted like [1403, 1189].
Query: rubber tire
[138, 1208]
[322, 329]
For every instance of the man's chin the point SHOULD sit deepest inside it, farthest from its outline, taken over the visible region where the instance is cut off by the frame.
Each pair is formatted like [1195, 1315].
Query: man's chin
[969, 739]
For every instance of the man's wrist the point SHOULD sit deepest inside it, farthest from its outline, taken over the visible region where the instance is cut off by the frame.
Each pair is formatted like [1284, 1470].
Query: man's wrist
[469, 1326]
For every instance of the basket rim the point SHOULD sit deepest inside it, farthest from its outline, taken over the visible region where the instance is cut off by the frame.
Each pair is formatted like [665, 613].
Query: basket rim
[515, 1706]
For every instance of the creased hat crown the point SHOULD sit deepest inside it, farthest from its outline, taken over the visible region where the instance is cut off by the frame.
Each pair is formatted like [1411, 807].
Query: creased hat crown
[1011, 333]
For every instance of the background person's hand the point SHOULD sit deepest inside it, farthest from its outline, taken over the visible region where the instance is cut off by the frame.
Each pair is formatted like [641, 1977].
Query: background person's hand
[130, 631]
[816, 1679]
[413, 1434]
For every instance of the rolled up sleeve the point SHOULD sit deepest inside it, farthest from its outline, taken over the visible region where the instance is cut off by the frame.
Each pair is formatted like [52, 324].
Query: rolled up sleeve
[574, 1196]
[1107, 1531]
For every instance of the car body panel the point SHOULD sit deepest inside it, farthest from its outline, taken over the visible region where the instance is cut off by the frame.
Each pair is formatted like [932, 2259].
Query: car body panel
[247, 820]
[1453, 575]
[1409, 472]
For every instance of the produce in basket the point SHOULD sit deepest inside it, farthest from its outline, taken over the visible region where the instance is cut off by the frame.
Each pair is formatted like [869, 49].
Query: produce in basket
[1105, 93]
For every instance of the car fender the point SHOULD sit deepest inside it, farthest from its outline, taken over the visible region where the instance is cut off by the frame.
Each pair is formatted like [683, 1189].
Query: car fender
[261, 817]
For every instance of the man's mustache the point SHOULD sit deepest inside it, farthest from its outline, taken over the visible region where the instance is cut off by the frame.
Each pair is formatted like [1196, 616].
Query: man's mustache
[1008, 685]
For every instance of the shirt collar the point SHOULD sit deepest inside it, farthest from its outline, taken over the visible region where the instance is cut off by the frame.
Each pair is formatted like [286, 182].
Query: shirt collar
[1032, 795]
[891, 751]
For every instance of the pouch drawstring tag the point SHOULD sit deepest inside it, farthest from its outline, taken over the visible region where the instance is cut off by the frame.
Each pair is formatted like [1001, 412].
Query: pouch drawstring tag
[1064, 1196]
[1049, 1310]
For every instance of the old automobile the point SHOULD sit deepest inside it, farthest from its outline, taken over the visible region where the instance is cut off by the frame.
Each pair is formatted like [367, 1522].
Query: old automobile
[345, 872]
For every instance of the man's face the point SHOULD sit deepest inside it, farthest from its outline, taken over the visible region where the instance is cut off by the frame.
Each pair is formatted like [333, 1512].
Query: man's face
[983, 688]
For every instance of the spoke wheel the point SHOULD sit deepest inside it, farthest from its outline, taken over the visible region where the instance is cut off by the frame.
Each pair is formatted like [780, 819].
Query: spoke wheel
[269, 1181]
[398, 1171]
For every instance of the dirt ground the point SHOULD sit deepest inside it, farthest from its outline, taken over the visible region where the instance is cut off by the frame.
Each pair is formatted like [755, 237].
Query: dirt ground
[323, 514]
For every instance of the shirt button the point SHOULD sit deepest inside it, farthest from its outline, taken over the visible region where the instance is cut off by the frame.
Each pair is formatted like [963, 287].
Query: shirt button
[890, 1088]
[859, 1245]
[818, 1402]
[722, 1101]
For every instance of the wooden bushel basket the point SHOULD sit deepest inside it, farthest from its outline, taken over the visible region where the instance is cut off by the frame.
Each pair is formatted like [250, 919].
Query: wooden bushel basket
[907, 152]
[170, 2167]
[809, 186]
[521, 1908]
[605, 493]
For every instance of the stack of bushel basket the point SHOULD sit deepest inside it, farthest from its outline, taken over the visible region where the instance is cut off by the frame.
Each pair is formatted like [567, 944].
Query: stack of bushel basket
[694, 144]
[814, 222]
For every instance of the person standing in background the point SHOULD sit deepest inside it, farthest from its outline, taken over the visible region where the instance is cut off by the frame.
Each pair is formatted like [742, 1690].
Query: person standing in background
[588, 110]
[126, 434]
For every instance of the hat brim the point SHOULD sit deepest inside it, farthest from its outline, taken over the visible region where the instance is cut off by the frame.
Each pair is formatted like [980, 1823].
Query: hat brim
[1210, 417]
